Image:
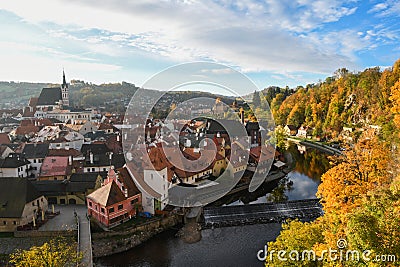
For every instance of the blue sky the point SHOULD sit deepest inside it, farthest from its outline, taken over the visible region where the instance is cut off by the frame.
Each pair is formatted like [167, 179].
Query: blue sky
[274, 42]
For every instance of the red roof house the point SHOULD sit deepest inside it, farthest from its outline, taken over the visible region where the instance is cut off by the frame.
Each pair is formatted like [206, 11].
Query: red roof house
[116, 201]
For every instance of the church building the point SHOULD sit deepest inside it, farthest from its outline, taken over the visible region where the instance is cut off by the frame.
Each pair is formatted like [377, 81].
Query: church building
[53, 97]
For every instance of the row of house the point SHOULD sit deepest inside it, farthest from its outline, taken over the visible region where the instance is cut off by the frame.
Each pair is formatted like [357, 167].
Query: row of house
[51, 153]
[302, 132]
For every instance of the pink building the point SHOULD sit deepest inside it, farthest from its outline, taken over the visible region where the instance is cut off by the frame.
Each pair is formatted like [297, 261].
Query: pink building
[116, 201]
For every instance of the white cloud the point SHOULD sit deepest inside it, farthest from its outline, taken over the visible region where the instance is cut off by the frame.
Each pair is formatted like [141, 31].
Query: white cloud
[386, 8]
[31, 63]
[273, 35]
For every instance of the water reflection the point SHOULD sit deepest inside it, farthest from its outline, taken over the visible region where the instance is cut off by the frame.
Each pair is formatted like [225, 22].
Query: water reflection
[301, 183]
[310, 162]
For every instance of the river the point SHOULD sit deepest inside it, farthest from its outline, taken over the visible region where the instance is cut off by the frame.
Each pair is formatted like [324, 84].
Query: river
[231, 246]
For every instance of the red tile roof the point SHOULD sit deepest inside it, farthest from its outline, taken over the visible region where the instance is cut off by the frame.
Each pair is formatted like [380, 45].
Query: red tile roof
[4, 138]
[55, 166]
[26, 130]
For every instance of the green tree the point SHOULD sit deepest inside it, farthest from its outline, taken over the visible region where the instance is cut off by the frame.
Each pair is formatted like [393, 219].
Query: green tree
[278, 138]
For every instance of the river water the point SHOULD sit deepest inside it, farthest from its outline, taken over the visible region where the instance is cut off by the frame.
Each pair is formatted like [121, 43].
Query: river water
[230, 246]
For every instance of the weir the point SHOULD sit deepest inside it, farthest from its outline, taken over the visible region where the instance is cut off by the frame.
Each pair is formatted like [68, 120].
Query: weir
[308, 209]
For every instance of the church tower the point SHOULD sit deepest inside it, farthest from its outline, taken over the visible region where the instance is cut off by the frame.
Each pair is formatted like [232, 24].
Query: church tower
[64, 91]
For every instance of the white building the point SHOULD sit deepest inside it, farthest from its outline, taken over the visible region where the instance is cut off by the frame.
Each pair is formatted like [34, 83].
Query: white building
[15, 166]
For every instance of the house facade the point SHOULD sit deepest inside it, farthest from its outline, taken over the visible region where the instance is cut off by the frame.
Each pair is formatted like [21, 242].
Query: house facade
[21, 203]
[35, 154]
[15, 166]
[116, 201]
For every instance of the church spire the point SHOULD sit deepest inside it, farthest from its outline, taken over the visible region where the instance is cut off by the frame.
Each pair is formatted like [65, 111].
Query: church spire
[64, 91]
[64, 84]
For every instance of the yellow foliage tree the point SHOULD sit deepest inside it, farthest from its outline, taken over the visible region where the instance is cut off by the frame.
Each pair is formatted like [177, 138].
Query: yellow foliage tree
[395, 97]
[55, 253]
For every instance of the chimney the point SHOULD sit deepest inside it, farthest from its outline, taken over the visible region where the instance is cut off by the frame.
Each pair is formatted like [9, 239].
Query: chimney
[91, 157]
[118, 137]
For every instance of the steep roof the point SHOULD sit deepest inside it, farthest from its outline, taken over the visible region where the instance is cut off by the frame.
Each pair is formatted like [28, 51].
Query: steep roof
[13, 162]
[35, 151]
[100, 160]
[107, 195]
[58, 188]
[87, 176]
[218, 126]
[97, 135]
[49, 96]
[4, 138]
[126, 178]
[95, 149]
[14, 194]
[251, 125]
[24, 130]
[33, 101]
[53, 166]
[65, 152]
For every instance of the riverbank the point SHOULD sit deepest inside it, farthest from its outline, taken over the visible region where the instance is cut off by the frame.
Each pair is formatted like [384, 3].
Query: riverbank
[113, 242]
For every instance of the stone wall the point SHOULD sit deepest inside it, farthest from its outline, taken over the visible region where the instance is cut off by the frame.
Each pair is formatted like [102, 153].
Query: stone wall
[108, 243]
[35, 233]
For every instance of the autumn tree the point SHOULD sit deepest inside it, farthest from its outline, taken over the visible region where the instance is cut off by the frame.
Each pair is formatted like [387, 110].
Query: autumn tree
[295, 236]
[395, 97]
[376, 225]
[55, 253]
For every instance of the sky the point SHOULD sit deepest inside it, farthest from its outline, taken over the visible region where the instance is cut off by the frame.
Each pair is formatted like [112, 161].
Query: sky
[273, 42]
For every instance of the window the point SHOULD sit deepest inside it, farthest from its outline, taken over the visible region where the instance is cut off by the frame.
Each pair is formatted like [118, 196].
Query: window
[133, 201]
[4, 222]
[102, 210]
[33, 203]
[90, 203]
[15, 222]
[111, 210]
[92, 169]
[120, 207]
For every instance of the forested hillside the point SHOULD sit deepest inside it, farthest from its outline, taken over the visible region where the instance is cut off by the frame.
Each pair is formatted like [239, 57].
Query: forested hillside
[360, 193]
[345, 99]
